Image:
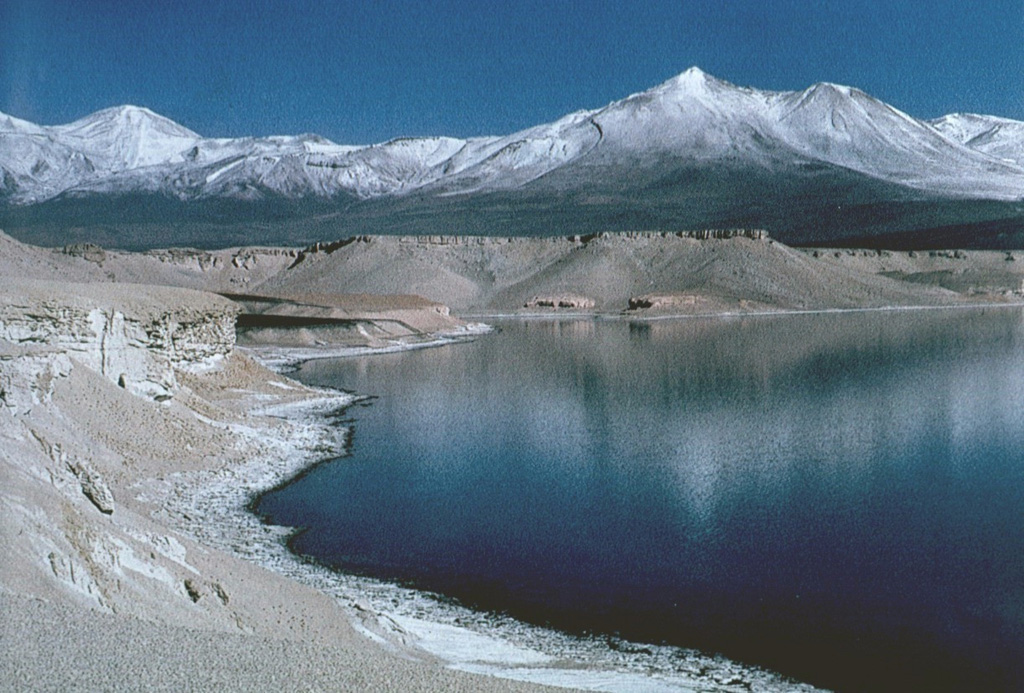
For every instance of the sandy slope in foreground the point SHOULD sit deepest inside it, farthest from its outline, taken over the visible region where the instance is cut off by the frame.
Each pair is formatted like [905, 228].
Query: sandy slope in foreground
[113, 399]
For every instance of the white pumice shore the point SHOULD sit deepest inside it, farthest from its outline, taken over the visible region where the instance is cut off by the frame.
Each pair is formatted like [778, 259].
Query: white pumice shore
[285, 359]
[214, 508]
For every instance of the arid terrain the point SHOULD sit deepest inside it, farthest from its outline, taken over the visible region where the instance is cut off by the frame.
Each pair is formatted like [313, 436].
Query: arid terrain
[134, 431]
[116, 401]
[739, 271]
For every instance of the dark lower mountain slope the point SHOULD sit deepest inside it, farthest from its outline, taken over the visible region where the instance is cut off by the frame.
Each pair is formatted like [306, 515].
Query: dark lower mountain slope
[809, 204]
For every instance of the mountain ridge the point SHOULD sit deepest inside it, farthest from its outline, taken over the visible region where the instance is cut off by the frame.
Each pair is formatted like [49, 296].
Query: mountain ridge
[673, 150]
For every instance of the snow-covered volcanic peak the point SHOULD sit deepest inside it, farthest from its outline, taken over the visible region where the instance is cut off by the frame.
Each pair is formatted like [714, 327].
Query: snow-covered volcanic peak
[694, 115]
[39, 162]
[703, 118]
[690, 120]
[846, 127]
[127, 137]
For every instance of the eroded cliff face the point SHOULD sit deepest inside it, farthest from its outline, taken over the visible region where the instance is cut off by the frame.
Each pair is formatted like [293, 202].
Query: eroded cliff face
[86, 375]
[136, 336]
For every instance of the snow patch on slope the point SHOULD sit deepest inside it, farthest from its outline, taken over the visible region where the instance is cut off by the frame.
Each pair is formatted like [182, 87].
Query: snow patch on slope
[998, 137]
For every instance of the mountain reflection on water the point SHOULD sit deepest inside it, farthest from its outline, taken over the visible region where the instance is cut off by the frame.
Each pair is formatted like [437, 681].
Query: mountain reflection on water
[837, 497]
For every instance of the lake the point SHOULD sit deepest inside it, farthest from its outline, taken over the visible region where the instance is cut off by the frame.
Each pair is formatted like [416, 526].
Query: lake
[837, 497]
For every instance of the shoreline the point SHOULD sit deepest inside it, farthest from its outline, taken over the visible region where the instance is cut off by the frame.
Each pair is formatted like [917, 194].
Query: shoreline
[166, 490]
[215, 508]
[132, 437]
[284, 359]
[201, 559]
[417, 623]
[641, 317]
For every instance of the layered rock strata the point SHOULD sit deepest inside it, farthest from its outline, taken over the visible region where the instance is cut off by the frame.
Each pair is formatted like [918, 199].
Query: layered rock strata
[134, 335]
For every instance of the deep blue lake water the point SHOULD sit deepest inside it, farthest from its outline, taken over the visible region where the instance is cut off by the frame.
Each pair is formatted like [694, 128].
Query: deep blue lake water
[836, 497]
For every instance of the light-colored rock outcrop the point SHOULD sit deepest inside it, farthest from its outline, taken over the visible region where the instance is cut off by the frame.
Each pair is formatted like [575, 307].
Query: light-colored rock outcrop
[570, 301]
[83, 371]
[663, 301]
[28, 375]
[134, 335]
[691, 304]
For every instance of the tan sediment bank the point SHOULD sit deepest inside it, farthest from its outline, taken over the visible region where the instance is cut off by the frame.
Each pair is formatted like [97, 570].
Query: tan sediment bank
[133, 432]
[288, 328]
[658, 273]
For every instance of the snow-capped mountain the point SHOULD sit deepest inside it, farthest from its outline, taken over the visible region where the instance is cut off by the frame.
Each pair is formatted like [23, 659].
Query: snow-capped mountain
[699, 117]
[41, 162]
[690, 144]
[127, 137]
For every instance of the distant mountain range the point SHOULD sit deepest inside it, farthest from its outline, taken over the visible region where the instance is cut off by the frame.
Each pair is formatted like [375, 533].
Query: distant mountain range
[828, 164]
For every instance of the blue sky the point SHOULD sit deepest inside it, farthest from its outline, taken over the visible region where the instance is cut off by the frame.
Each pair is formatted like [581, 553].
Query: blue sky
[360, 72]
